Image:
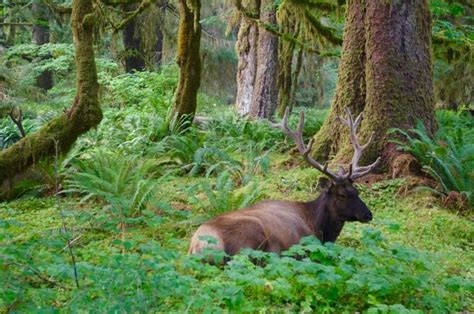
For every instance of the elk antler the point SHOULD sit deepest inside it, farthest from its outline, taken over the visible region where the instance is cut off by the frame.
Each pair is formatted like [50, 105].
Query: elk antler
[297, 137]
[354, 170]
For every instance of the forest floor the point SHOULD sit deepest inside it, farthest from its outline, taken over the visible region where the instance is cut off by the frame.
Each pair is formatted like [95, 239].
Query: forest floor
[131, 256]
[414, 221]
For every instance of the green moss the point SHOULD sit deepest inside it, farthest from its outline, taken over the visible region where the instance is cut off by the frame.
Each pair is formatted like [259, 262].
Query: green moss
[188, 59]
[57, 136]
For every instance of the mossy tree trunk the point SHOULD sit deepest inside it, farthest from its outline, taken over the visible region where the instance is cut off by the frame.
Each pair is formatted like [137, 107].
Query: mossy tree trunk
[265, 91]
[134, 58]
[58, 135]
[40, 36]
[246, 47]
[286, 53]
[388, 45]
[189, 60]
[158, 54]
[10, 40]
[350, 89]
[2, 29]
[398, 70]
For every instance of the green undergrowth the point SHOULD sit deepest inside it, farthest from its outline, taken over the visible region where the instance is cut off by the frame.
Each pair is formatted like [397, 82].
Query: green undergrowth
[132, 192]
[413, 256]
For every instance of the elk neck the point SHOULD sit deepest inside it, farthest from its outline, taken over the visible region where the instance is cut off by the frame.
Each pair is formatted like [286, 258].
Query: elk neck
[326, 227]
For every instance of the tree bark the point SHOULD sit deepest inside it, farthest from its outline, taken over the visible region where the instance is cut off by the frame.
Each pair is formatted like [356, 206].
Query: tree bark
[10, 40]
[2, 29]
[158, 55]
[385, 72]
[286, 52]
[40, 36]
[134, 59]
[350, 88]
[265, 92]
[58, 135]
[189, 60]
[398, 70]
[246, 47]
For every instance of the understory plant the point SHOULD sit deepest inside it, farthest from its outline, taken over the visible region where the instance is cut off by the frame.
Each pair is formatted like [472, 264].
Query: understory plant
[224, 195]
[124, 183]
[448, 157]
[376, 277]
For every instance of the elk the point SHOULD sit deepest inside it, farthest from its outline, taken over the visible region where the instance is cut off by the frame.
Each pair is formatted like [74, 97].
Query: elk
[274, 226]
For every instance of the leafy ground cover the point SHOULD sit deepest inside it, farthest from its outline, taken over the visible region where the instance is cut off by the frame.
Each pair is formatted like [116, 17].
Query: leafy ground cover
[131, 193]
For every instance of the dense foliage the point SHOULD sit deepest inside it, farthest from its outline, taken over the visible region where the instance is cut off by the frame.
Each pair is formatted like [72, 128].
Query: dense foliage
[143, 189]
[106, 227]
[449, 156]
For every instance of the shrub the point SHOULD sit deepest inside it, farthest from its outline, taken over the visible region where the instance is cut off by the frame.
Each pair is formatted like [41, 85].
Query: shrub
[143, 89]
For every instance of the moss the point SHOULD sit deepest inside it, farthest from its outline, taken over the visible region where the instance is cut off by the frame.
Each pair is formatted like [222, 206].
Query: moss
[286, 51]
[188, 59]
[350, 90]
[385, 72]
[58, 136]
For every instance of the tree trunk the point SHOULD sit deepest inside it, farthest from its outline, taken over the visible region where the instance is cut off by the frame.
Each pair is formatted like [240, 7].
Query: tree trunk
[264, 98]
[10, 41]
[350, 90]
[40, 36]
[286, 52]
[246, 47]
[158, 55]
[385, 72]
[189, 60]
[58, 135]
[398, 70]
[134, 59]
[2, 29]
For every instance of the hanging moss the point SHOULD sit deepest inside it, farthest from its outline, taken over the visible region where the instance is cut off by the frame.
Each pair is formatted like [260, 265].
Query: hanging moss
[59, 135]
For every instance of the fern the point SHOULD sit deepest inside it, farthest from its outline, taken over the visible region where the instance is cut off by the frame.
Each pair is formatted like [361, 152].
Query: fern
[449, 156]
[122, 182]
[224, 196]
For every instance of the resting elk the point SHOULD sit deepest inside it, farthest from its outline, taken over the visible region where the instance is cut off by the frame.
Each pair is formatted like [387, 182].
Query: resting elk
[274, 226]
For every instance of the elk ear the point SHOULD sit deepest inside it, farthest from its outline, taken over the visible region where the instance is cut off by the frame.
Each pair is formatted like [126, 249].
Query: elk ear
[324, 183]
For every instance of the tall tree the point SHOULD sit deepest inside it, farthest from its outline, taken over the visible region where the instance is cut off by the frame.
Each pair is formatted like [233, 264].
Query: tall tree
[350, 88]
[188, 59]
[10, 40]
[246, 47]
[58, 135]
[132, 42]
[257, 48]
[265, 92]
[385, 72]
[158, 51]
[2, 20]
[40, 36]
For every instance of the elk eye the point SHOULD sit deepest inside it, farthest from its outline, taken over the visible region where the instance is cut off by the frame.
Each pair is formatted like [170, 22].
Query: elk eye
[342, 196]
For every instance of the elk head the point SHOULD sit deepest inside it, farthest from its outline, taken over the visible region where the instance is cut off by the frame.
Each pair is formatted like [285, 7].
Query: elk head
[340, 194]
